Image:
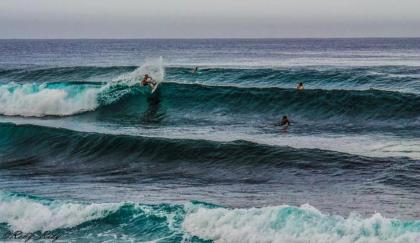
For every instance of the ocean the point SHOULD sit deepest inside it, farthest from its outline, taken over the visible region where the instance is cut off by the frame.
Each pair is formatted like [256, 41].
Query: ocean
[89, 155]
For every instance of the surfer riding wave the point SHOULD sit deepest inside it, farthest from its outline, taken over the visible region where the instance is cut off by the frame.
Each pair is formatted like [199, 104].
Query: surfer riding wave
[147, 80]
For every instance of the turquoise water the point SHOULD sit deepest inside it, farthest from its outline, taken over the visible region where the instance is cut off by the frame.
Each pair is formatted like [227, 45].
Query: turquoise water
[194, 222]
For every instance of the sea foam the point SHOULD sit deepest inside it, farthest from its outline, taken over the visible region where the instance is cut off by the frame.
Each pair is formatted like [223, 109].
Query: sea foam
[64, 99]
[39, 100]
[28, 215]
[208, 222]
[295, 224]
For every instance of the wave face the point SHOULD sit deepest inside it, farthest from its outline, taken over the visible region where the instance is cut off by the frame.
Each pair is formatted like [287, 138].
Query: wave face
[390, 78]
[69, 98]
[44, 151]
[194, 222]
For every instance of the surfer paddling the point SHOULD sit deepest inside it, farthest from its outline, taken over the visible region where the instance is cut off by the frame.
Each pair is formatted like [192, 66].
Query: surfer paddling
[147, 80]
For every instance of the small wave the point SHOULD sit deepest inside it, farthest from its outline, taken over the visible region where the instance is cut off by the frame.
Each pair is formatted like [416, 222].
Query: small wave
[196, 222]
[65, 152]
[389, 78]
[92, 222]
[327, 78]
[295, 224]
[30, 215]
[63, 74]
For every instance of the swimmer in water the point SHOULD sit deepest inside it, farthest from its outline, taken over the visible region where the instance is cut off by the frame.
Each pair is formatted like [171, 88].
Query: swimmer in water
[299, 86]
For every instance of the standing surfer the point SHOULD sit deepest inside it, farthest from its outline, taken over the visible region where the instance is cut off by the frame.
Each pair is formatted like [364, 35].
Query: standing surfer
[147, 80]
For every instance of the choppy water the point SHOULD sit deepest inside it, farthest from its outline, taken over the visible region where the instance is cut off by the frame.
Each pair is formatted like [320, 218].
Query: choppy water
[88, 154]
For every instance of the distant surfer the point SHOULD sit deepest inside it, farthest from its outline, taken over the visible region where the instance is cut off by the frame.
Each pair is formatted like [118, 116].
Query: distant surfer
[195, 70]
[285, 121]
[147, 80]
[299, 86]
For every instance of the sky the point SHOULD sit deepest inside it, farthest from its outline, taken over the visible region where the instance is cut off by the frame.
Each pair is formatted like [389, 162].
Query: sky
[208, 18]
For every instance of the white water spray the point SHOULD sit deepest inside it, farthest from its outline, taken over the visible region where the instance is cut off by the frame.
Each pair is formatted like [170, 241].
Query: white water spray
[41, 100]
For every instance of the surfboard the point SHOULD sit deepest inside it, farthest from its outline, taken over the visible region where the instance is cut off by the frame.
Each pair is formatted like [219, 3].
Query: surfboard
[155, 87]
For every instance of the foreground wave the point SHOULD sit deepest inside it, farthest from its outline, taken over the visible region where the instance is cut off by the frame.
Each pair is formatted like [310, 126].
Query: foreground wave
[194, 222]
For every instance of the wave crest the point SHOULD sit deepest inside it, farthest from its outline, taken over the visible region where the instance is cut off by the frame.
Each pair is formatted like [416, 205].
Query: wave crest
[29, 215]
[195, 222]
[63, 99]
[39, 100]
[295, 224]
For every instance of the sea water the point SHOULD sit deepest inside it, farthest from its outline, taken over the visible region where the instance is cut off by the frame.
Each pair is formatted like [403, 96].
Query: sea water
[87, 154]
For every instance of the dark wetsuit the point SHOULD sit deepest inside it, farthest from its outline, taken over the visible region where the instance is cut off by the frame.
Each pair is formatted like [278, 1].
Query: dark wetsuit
[285, 122]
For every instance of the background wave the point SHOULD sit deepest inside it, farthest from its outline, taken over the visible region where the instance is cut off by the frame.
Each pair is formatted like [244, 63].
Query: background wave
[391, 78]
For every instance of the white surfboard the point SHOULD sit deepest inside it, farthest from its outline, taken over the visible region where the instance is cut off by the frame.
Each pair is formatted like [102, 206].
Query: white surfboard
[154, 87]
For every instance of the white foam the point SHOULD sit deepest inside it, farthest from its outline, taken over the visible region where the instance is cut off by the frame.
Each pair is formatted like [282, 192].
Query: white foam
[268, 224]
[154, 67]
[38, 100]
[22, 214]
[290, 224]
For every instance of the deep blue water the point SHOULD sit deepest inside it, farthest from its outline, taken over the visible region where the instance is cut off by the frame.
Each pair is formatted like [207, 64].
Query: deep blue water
[90, 155]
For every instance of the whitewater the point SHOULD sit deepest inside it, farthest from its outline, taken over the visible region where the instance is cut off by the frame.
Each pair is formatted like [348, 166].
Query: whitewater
[180, 222]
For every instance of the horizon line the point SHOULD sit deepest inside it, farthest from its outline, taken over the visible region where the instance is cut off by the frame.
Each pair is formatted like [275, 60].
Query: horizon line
[205, 38]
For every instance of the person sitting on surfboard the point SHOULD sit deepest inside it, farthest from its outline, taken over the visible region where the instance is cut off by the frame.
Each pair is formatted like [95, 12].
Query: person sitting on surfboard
[147, 80]
[299, 86]
[285, 121]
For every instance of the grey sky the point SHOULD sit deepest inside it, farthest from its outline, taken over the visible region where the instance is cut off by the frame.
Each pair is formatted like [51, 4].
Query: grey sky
[208, 18]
